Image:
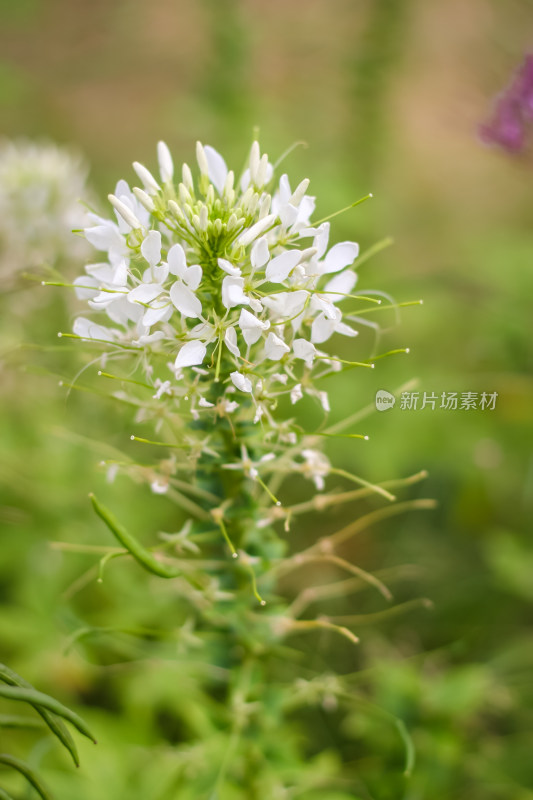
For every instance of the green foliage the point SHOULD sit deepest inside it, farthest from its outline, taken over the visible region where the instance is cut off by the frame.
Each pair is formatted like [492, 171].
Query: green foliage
[412, 86]
[17, 690]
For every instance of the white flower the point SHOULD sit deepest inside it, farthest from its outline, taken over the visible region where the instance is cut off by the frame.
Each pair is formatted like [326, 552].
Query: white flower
[296, 393]
[249, 467]
[256, 230]
[280, 267]
[231, 282]
[275, 348]
[230, 340]
[182, 292]
[293, 208]
[316, 467]
[304, 350]
[159, 485]
[251, 326]
[190, 355]
[88, 329]
[166, 165]
[163, 387]
[233, 292]
[241, 382]
[259, 253]
[216, 168]
[42, 191]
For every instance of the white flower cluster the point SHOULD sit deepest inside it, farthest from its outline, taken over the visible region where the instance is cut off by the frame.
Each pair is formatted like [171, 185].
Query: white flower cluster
[229, 279]
[41, 186]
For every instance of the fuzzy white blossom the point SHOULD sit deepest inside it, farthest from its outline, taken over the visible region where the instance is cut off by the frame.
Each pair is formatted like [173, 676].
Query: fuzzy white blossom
[41, 189]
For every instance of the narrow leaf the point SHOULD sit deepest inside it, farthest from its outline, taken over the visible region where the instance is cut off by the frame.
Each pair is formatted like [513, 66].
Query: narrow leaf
[29, 774]
[14, 721]
[56, 725]
[36, 698]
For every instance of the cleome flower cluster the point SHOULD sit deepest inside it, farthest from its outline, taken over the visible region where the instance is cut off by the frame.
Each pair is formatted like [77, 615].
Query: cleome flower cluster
[226, 288]
[41, 185]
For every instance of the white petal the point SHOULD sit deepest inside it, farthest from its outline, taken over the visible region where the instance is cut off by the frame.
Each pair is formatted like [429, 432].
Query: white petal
[247, 320]
[159, 273]
[341, 255]
[284, 189]
[245, 180]
[321, 329]
[103, 272]
[343, 284]
[150, 183]
[288, 215]
[102, 300]
[232, 292]
[326, 306]
[177, 262]
[103, 237]
[191, 355]
[185, 301]
[88, 329]
[279, 269]
[255, 304]
[305, 209]
[304, 350]
[256, 230]
[345, 330]
[120, 273]
[296, 393]
[145, 292]
[229, 268]
[251, 327]
[321, 239]
[230, 338]
[259, 255]
[275, 348]
[324, 401]
[193, 276]
[151, 248]
[166, 165]
[159, 314]
[287, 304]
[125, 212]
[241, 382]
[148, 338]
[82, 291]
[217, 169]
[204, 330]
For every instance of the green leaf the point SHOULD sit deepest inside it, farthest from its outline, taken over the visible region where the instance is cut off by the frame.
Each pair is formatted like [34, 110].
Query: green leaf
[35, 698]
[29, 774]
[56, 725]
[14, 721]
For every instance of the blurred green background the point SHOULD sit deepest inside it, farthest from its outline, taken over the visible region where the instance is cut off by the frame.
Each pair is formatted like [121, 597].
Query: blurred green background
[387, 95]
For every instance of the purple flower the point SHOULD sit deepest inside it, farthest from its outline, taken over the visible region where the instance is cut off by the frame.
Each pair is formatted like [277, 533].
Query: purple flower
[506, 128]
[513, 110]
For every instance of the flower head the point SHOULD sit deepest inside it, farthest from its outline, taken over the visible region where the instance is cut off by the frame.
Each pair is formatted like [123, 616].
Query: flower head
[230, 278]
[41, 186]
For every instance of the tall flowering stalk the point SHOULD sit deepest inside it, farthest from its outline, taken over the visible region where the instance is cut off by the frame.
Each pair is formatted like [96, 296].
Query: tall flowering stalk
[214, 308]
